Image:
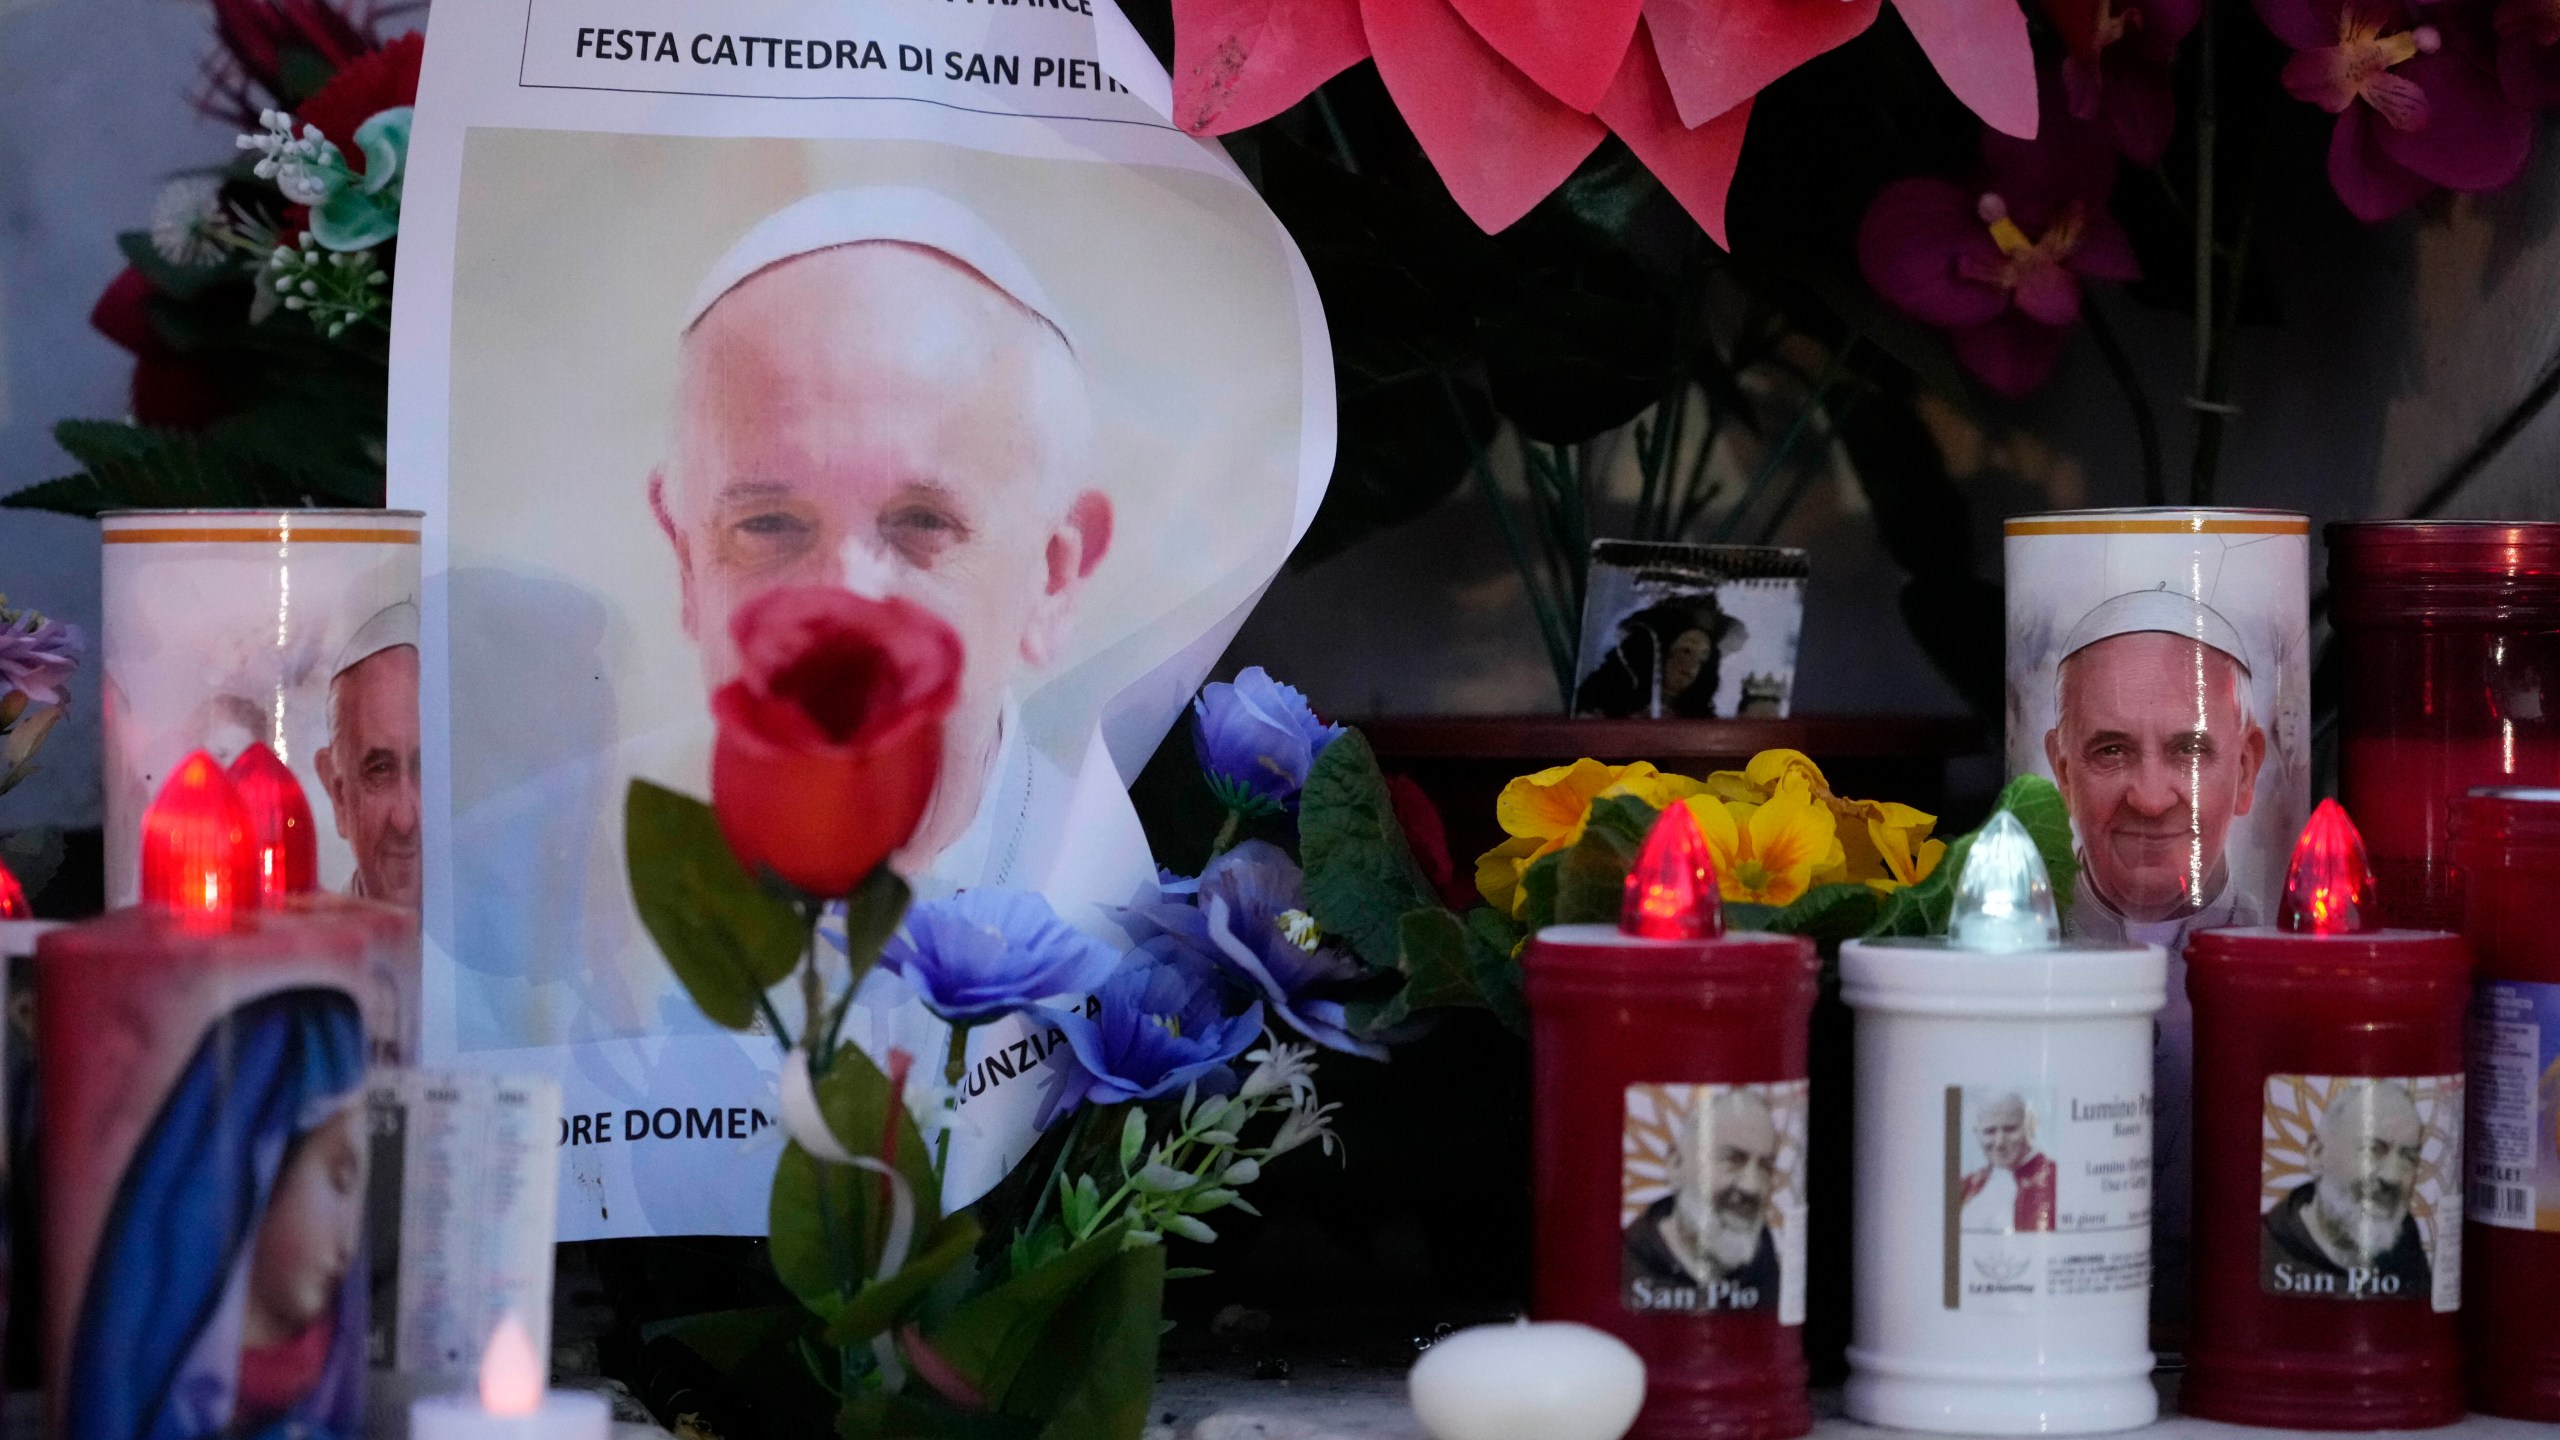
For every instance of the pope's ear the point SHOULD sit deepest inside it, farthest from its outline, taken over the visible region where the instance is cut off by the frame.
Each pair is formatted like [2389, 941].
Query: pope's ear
[675, 538]
[1075, 549]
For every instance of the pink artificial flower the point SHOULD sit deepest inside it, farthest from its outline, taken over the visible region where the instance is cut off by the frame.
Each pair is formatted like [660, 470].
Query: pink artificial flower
[2121, 67]
[2416, 94]
[1508, 96]
[1999, 264]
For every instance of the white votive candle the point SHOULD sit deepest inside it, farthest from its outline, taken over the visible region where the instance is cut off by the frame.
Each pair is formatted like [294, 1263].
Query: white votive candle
[1528, 1382]
[514, 1403]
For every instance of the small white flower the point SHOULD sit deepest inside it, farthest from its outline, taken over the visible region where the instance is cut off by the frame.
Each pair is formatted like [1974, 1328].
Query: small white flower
[1306, 1123]
[1280, 1067]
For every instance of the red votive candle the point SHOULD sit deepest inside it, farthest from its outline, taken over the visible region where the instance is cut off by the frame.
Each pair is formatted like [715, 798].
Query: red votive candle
[2449, 652]
[2508, 845]
[2328, 1130]
[201, 1059]
[1670, 1145]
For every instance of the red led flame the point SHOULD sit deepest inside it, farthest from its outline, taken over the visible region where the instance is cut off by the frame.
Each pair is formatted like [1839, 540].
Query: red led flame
[2329, 888]
[13, 897]
[283, 847]
[197, 859]
[1671, 889]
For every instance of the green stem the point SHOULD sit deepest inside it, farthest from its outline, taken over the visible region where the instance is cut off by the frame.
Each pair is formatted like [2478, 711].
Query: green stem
[1787, 443]
[773, 1019]
[2208, 424]
[1550, 629]
[1333, 129]
[2146, 429]
[1227, 834]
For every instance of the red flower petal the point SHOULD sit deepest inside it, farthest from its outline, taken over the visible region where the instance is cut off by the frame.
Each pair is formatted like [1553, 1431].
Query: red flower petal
[1695, 165]
[2374, 186]
[1573, 51]
[2474, 138]
[1980, 49]
[2013, 354]
[1499, 142]
[1715, 54]
[1240, 62]
[1915, 235]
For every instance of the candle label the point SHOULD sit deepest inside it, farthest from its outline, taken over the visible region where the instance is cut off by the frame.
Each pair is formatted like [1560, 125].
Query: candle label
[207, 1167]
[1711, 1182]
[2048, 1194]
[2360, 1188]
[2515, 1105]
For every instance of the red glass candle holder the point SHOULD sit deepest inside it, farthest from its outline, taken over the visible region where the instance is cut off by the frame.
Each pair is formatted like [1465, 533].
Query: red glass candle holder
[2449, 644]
[2507, 843]
[2328, 1132]
[1670, 1160]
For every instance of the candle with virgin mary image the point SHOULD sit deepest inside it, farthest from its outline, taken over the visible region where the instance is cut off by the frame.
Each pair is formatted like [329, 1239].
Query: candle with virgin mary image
[2159, 675]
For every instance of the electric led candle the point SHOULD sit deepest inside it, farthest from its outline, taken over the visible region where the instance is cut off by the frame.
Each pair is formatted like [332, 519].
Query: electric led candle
[513, 1402]
[2002, 1203]
[2329, 1113]
[282, 844]
[1670, 1144]
[197, 863]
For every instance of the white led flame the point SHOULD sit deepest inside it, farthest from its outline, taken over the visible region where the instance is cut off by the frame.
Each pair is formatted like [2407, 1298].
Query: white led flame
[2004, 898]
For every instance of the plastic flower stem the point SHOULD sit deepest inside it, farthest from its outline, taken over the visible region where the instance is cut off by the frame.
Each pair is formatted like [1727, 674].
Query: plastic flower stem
[1786, 445]
[2208, 424]
[1333, 128]
[1227, 833]
[813, 996]
[1804, 477]
[781, 1032]
[1550, 628]
[2146, 429]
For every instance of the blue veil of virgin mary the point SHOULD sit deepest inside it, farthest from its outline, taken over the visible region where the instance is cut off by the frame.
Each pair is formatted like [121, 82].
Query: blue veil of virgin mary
[155, 1354]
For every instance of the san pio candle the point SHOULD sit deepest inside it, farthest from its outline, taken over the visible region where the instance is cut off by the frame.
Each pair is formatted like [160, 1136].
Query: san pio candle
[2329, 1130]
[2003, 1196]
[1670, 1145]
[2507, 843]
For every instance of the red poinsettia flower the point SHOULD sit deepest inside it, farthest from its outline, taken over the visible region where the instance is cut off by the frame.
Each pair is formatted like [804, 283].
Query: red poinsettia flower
[2120, 68]
[1508, 96]
[2416, 94]
[380, 80]
[1999, 263]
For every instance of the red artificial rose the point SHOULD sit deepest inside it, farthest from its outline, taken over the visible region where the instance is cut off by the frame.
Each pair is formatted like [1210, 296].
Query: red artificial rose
[378, 80]
[1428, 836]
[831, 736]
[172, 389]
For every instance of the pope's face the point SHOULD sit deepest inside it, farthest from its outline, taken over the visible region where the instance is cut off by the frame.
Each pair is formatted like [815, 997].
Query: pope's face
[876, 416]
[2156, 755]
[370, 767]
[2002, 1129]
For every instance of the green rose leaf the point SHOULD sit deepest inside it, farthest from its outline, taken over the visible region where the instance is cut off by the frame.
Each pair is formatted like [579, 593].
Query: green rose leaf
[827, 1222]
[1361, 878]
[882, 1303]
[992, 1338]
[728, 938]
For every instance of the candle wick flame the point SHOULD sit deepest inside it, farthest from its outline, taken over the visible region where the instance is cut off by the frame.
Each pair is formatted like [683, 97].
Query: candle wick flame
[511, 1374]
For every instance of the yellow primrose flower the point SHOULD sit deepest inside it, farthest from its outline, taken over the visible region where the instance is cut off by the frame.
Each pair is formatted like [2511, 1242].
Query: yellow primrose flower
[1755, 782]
[1885, 845]
[1499, 869]
[1546, 812]
[1768, 853]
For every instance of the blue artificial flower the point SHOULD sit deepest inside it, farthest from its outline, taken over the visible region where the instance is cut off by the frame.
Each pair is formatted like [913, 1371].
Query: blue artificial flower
[1250, 921]
[1256, 739]
[1158, 1028]
[983, 954]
